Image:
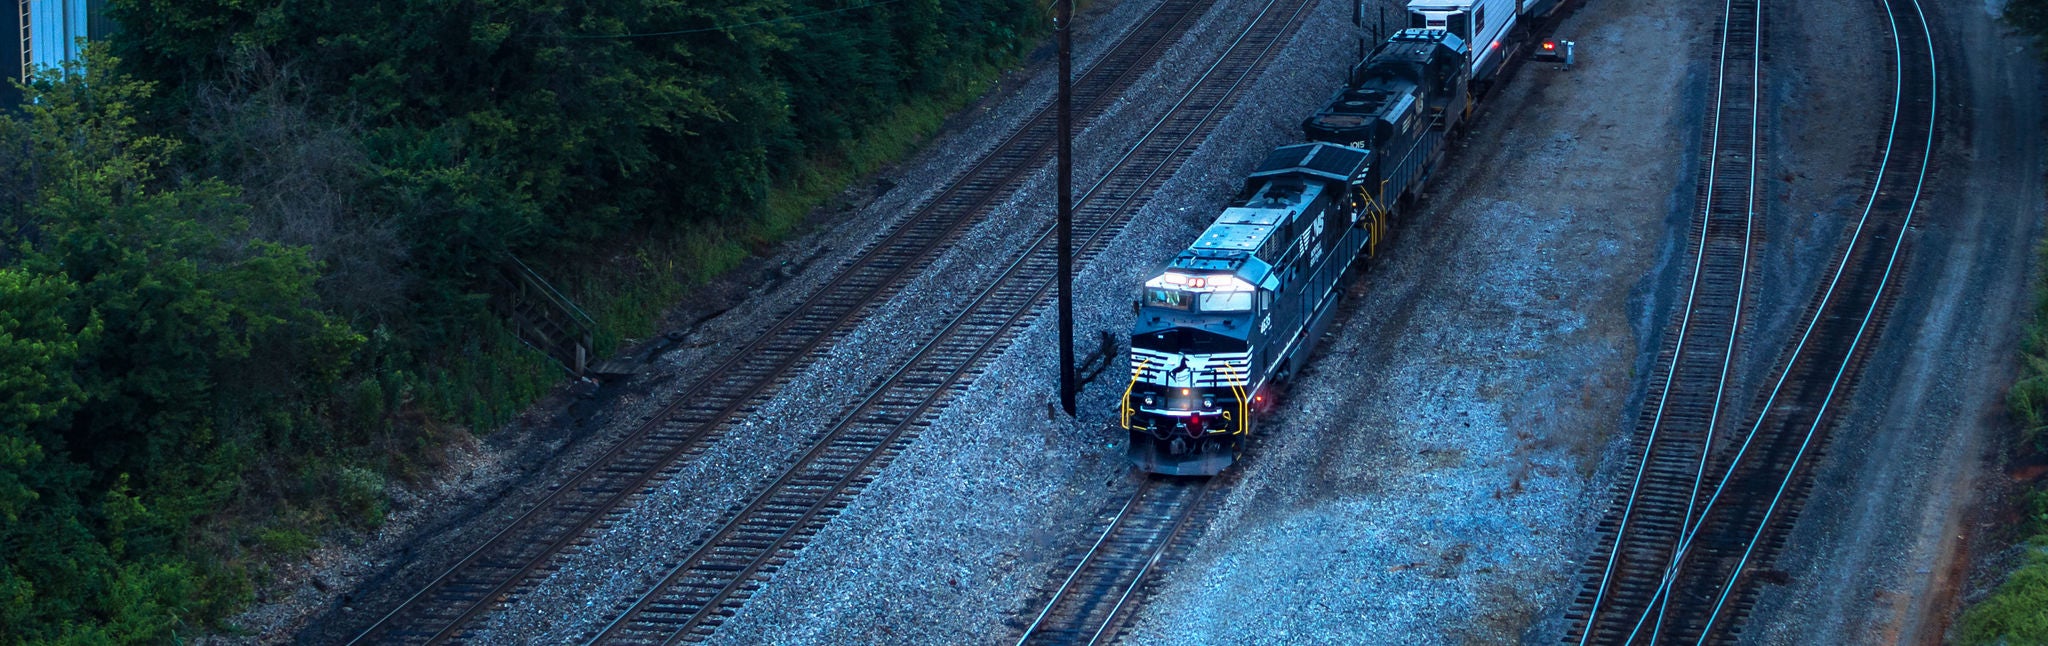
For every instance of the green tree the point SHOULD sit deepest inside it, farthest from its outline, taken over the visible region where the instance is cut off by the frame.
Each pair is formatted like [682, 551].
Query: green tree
[149, 352]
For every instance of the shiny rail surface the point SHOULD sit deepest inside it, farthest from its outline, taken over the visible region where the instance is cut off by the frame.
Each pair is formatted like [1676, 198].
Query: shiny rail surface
[1711, 582]
[1094, 602]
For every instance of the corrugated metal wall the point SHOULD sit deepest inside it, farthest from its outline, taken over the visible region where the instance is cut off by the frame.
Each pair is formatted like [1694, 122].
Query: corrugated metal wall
[12, 62]
[55, 28]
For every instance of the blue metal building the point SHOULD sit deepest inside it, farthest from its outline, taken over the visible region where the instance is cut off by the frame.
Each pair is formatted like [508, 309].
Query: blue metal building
[48, 33]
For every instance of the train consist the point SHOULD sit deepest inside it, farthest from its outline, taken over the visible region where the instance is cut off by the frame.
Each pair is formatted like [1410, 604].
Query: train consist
[1239, 311]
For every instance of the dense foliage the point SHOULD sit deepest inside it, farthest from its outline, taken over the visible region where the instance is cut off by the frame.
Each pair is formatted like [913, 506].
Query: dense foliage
[138, 328]
[244, 258]
[2017, 611]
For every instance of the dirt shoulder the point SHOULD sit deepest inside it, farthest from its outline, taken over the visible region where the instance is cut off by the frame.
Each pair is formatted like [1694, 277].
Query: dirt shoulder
[1879, 553]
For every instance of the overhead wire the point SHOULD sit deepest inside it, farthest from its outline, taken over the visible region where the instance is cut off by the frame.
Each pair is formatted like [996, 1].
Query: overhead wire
[701, 30]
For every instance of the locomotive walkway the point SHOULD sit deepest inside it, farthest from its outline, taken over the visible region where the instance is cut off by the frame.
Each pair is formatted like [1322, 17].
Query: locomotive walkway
[1706, 583]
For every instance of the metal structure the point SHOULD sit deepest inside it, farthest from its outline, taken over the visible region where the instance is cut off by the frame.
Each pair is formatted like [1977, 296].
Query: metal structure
[1098, 598]
[52, 32]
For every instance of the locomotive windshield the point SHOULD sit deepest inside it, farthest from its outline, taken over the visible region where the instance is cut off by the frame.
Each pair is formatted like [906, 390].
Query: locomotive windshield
[1167, 298]
[1227, 302]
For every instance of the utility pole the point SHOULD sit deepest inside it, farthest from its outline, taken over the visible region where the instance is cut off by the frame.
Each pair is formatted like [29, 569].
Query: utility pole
[1066, 188]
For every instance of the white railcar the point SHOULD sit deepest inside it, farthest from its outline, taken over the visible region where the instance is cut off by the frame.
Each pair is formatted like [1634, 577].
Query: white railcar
[1494, 28]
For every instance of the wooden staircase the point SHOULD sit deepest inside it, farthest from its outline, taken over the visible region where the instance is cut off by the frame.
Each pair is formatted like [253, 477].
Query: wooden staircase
[543, 318]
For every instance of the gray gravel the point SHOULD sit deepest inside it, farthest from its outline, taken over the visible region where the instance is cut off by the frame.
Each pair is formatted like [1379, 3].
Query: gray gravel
[1431, 478]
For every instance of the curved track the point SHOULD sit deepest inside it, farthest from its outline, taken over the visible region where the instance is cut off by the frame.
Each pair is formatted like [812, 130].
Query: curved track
[1680, 417]
[750, 376]
[701, 590]
[1710, 585]
[1095, 600]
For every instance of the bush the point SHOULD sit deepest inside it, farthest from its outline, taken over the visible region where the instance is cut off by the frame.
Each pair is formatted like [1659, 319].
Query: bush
[2017, 613]
[362, 494]
[286, 542]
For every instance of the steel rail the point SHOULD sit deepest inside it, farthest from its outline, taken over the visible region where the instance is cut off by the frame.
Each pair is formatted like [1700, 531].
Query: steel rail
[1149, 526]
[1085, 558]
[1111, 72]
[1180, 524]
[1679, 353]
[995, 336]
[1869, 313]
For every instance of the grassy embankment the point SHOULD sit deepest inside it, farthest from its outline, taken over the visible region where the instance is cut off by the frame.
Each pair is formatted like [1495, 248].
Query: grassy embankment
[2017, 611]
[628, 298]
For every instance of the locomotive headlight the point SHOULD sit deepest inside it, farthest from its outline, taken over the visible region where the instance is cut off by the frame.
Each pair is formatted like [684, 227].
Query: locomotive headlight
[1148, 399]
[1208, 401]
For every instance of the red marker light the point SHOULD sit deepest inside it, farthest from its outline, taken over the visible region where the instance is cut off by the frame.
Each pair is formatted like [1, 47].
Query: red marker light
[1549, 45]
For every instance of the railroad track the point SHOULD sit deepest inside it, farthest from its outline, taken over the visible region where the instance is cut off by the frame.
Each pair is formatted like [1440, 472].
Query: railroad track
[1680, 415]
[724, 569]
[1711, 581]
[752, 375]
[1096, 600]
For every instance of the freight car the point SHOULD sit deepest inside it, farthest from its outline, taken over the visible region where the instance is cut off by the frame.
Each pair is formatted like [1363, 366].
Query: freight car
[1497, 29]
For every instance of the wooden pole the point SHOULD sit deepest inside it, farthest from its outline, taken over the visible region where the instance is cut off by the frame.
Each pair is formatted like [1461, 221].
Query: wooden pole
[1066, 215]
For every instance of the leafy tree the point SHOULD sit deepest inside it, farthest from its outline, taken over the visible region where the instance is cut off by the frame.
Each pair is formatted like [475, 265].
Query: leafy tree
[142, 342]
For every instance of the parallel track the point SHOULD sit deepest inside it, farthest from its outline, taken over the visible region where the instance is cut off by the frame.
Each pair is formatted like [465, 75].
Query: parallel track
[751, 376]
[1679, 418]
[1097, 598]
[701, 590]
[1742, 525]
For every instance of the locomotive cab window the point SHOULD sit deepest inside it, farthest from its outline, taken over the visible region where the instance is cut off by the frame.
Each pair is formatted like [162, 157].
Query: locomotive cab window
[1167, 298]
[1227, 302]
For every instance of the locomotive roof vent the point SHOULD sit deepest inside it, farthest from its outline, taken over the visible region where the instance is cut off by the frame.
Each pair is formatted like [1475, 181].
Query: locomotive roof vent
[1282, 193]
[1366, 101]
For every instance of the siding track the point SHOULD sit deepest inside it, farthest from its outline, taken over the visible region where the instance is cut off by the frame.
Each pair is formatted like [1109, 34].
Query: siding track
[1711, 580]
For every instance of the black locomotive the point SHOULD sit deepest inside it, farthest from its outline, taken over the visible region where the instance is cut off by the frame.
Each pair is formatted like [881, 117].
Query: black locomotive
[1240, 309]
